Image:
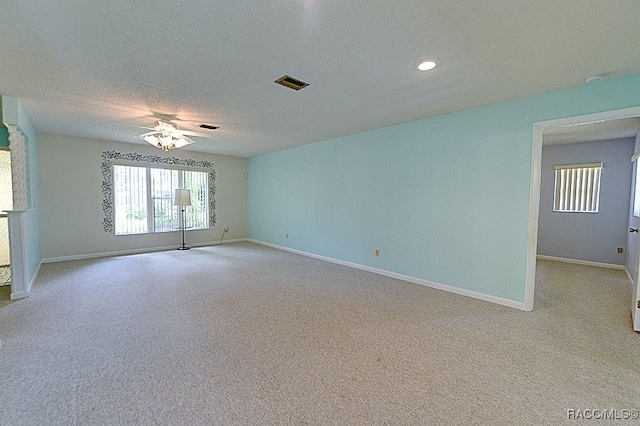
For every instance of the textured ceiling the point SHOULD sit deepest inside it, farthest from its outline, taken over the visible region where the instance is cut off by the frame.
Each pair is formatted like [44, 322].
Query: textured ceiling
[96, 69]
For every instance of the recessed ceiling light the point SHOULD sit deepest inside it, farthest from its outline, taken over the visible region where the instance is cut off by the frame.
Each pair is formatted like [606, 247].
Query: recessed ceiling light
[427, 65]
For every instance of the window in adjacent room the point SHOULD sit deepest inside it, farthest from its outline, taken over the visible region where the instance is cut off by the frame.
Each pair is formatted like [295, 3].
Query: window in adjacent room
[143, 199]
[577, 188]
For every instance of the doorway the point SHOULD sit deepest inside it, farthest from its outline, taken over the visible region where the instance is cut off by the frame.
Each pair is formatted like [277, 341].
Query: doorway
[6, 203]
[536, 173]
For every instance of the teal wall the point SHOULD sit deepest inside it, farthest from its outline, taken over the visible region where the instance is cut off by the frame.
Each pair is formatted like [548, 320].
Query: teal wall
[444, 199]
[4, 136]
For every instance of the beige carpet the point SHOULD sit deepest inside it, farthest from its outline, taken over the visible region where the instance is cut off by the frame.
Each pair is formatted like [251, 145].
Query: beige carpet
[242, 334]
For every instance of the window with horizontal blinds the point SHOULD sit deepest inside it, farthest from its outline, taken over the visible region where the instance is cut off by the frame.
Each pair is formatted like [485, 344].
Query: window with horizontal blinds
[143, 199]
[577, 187]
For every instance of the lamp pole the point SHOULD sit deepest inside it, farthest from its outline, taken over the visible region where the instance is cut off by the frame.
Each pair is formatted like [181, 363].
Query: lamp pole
[183, 246]
[182, 199]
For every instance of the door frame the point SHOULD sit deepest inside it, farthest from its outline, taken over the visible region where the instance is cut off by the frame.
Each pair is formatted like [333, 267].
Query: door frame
[534, 188]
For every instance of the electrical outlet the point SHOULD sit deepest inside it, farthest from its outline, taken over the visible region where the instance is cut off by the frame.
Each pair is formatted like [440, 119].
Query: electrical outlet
[226, 229]
[620, 250]
[377, 252]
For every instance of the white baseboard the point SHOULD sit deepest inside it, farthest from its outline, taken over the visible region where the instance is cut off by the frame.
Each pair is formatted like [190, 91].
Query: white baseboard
[581, 262]
[19, 295]
[438, 286]
[426, 283]
[135, 251]
[34, 278]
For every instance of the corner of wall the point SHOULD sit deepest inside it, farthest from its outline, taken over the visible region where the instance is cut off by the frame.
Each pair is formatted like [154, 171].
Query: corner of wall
[24, 221]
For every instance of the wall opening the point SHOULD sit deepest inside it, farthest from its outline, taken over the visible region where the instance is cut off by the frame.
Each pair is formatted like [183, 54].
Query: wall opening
[6, 203]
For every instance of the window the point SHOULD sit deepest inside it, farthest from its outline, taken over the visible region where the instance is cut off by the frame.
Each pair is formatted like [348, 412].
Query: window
[143, 199]
[577, 188]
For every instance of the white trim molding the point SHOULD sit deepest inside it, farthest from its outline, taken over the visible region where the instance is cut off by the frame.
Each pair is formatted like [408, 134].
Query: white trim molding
[426, 283]
[19, 168]
[135, 251]
[582, 262]
[18, 255]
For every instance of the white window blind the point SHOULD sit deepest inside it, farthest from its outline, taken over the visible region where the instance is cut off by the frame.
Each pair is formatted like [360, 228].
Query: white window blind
[577, 187]
[165, 214]
[143, 199]
[130, 199]
[197, 215]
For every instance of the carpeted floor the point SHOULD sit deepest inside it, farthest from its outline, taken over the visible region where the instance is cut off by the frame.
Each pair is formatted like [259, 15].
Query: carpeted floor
[242, 334]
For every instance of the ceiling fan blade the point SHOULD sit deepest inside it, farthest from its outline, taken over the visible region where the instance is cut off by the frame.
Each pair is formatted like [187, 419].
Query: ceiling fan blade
[141, 127]
[147, 134]
[198, 134]
[183, 141]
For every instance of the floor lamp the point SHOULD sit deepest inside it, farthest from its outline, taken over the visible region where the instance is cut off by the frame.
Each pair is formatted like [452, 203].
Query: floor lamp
[182, 199]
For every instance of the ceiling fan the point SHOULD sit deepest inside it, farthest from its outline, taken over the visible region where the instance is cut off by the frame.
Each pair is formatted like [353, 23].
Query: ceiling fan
[165, 135]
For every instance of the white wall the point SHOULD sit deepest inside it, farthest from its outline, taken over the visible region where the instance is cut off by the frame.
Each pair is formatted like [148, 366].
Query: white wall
[71, 199]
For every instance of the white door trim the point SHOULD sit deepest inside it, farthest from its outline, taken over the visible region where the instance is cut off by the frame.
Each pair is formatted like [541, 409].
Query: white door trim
[534, 189]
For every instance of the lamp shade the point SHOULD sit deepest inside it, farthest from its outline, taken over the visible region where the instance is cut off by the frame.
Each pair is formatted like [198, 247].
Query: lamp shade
[182, 198]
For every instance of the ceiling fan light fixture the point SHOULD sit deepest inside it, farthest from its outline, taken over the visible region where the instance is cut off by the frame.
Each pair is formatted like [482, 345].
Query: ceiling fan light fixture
[165, 143]
[166, 136]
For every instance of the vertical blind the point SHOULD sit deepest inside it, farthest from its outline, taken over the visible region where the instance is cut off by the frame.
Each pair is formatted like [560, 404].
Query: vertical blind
[130, 199]
[143, 199]
[577, 187]
[165, 215]
[197, 214]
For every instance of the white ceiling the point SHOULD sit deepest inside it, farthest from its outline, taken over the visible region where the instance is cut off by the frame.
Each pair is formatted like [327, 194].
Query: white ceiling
[96, 68]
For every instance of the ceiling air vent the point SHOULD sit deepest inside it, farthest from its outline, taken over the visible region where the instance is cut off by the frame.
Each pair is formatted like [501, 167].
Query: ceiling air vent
[208, 127]
[291, 82]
